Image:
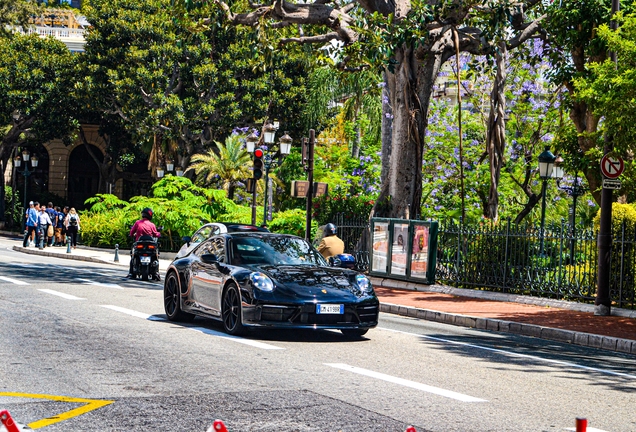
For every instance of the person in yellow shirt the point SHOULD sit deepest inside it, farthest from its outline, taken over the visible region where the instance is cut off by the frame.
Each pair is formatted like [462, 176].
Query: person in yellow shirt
[330, 245]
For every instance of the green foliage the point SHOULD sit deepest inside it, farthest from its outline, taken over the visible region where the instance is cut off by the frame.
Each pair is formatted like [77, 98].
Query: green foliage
[16, 12]
[339, 201]
[621, 213]
[37, 76]
[179, 207]
[290, 222]
[228, 165]
[610, 90]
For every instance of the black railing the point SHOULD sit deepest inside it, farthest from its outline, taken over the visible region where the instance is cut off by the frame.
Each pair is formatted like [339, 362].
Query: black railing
[506, 257]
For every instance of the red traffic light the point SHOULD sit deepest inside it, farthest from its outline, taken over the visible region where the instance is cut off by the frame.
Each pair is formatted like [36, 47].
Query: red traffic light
[258, 153]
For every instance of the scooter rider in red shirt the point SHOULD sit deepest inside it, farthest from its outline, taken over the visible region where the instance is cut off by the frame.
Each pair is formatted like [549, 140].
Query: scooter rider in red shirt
[143, 226]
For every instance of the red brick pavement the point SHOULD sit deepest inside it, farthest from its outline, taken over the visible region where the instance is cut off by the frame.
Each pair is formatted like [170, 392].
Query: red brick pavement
[619, 327]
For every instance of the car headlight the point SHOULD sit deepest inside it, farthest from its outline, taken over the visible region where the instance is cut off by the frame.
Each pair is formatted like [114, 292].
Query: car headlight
[261, 281]
[363, 283]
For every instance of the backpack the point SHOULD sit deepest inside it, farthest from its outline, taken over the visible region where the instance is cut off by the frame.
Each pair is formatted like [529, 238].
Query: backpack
[72, 221]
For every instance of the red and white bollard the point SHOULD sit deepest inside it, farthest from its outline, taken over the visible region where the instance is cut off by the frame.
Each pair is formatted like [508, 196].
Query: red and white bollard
[410, 429]
[581, 425]
[8, 422]
[217, 426]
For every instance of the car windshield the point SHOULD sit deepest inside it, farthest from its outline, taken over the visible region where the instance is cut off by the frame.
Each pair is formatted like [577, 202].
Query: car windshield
[274, 250]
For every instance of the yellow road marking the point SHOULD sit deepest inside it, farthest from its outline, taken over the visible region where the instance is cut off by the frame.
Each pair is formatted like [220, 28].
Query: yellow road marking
[91, 404]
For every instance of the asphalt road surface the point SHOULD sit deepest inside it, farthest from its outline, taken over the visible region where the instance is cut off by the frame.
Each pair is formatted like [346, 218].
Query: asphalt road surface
[84, 349]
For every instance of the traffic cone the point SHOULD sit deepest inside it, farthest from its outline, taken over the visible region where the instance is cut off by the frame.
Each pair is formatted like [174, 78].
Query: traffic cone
[8, 422]
[581, 425]
[116, 253]
[217, 426]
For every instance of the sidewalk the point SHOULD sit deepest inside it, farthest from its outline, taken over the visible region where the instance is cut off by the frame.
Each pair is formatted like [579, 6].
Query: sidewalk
[556, 320]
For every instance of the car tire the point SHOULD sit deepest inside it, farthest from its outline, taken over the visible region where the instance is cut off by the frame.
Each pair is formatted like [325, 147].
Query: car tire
[231, 310]
[144, 273]
[354, 333]
[171, 300]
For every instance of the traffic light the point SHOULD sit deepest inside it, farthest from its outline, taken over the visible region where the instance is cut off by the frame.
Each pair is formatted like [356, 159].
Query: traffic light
[258, 163]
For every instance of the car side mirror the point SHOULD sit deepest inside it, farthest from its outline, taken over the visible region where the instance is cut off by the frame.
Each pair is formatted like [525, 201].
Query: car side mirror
[186, 240]
[209, 258]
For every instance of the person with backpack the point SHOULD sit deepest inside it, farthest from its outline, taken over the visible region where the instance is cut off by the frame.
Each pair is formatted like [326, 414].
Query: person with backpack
[59, 226]
[53, 216]
[72, 224]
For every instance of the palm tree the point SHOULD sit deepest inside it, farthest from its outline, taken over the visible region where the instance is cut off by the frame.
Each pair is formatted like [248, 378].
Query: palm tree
[230, 164]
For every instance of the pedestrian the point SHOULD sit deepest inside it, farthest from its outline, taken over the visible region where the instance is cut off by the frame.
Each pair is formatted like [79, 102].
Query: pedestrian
[72, 224]
[31, 224]
[53, 216]
[59, 226]
[64, 232]
[44, 222]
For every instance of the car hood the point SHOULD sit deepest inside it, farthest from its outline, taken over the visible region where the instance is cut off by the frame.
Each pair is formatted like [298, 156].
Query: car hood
[311, 281]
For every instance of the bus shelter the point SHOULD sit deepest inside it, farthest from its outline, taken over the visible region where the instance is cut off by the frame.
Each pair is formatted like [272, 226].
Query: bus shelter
[404, 249]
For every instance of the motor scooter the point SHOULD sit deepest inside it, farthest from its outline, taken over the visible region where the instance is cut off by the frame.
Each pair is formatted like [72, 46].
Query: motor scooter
[145, 258]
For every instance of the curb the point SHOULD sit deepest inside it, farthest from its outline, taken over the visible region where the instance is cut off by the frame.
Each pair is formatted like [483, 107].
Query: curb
[497, 296]
[61, 255]
[559, 335]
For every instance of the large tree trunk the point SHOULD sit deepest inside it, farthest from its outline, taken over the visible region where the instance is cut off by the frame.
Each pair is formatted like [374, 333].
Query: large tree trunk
[496, 137]
[387, 127]
[410, 87]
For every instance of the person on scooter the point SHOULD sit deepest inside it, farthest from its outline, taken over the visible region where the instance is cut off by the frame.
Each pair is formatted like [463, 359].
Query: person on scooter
[143, 227]
[330, 245]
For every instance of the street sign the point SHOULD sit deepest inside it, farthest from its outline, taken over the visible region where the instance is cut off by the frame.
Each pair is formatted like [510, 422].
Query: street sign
[612, 167]
[611, 184]
[320, 189]
[299, 188]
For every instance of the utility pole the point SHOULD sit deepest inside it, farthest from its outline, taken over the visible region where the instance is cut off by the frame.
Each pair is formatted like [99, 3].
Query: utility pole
[309, 167]
[603, 302]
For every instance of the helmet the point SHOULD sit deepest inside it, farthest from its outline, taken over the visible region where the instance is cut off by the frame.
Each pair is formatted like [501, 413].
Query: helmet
[147, 213]
[330, 229]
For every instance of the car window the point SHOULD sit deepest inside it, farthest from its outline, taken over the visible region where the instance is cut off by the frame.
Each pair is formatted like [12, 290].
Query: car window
[217, 247]
[274, 250]
[201, 235]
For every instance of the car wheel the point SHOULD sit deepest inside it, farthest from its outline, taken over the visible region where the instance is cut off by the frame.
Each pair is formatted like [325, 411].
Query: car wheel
[232, 322]
[171, 301]
[354, 333]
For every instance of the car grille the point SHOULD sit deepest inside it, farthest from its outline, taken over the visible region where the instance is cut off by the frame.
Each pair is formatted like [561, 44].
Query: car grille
[307, 315]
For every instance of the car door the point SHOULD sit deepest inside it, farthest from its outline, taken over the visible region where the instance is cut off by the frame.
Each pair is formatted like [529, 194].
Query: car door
[206, 279]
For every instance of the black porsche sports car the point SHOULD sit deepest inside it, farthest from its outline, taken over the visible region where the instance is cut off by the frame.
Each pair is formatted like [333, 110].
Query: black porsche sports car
[268, 280]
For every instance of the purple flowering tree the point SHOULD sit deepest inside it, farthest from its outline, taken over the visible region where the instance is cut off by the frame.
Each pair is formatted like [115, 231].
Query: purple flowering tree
[411, 41]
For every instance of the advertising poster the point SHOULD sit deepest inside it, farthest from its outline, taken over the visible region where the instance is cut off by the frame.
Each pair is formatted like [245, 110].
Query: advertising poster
[419, 257]
[380, 246]
[399, 251]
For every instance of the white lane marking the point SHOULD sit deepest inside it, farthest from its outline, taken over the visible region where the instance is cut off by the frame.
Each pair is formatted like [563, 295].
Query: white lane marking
[61, 294]
[514, 354]
[13, 281]
[250, 342]
[92, 282]
[406, 383]
[133, 313]
[203, 330]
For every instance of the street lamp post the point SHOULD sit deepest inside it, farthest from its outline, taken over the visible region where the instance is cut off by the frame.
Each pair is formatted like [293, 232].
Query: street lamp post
[546, 165]
[575, 190]
[17, 162]
[272, 158]
[161, 171]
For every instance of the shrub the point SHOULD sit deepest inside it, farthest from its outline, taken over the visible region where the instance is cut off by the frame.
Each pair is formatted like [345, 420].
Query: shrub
[291, 222]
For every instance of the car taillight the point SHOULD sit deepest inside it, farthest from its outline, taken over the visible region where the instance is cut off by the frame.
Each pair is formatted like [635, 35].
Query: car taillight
[151, 246]
[140, 246]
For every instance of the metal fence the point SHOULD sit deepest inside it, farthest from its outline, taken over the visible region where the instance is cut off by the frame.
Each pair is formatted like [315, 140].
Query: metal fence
[557, 263]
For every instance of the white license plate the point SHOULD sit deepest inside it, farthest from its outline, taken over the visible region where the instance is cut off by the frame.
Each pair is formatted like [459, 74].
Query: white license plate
[329, 309]
[144, 260]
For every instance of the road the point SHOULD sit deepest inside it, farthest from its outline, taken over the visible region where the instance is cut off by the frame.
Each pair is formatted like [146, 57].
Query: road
[84, 349]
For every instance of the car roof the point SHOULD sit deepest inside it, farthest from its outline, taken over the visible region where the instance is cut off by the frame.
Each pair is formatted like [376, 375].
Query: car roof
[238, 227]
